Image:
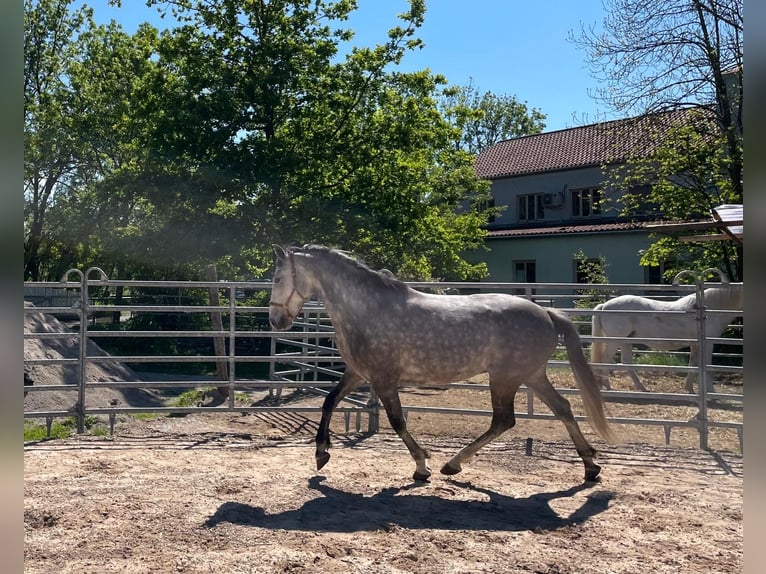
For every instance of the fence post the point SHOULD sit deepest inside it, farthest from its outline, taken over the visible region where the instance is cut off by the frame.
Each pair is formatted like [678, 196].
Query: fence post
[82, 355]
[703, 353]
[232, 342]
[702, 344]
[701, 366]
[701, 349]
[82, 306]
[216, 322]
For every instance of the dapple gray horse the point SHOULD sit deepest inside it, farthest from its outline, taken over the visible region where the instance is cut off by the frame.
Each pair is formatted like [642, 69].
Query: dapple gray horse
[660, 320]
[390, 334]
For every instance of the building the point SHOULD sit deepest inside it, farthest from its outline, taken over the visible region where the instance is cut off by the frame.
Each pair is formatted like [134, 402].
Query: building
[556, 202]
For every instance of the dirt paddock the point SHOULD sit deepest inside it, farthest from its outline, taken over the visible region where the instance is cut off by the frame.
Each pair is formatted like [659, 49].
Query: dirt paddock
[231, 493]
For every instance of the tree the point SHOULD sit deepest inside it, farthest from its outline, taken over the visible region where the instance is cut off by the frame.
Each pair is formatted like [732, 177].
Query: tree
[86, 166]
[655, 56]
[244, 126]
[287, 142]
[52, 147]
[483, 119]
[688, 179]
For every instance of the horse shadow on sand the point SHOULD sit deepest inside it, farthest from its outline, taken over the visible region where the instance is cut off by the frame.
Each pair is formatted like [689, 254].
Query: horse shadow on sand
[339, 511]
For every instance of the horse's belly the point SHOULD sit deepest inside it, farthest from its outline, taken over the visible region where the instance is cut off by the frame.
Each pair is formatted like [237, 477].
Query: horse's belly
[453, 358]
[441, 373]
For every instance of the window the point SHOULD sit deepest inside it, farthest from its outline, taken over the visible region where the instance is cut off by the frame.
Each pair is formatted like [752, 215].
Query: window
[524, 272]
[531, 207]
[644, 205]
[586, 202]
[655, 274]
[484, 205]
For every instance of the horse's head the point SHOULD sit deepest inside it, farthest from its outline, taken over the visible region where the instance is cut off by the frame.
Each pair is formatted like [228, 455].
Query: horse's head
[287, 294]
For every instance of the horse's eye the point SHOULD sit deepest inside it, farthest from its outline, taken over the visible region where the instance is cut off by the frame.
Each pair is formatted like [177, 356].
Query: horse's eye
[277, 280]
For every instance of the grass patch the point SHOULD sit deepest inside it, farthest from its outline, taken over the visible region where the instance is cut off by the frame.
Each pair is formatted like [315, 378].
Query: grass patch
[145, 416]
[663, 359]
[62, 428]
[195, 397]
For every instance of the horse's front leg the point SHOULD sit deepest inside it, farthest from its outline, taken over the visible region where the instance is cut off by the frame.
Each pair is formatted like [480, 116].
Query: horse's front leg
[389, 397]
[348, 383]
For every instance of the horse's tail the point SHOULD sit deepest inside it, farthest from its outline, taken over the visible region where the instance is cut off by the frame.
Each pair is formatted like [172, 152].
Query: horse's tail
[597, 348]
[590, 390]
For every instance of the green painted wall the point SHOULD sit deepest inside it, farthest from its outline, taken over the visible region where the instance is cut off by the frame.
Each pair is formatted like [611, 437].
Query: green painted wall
[554, 255]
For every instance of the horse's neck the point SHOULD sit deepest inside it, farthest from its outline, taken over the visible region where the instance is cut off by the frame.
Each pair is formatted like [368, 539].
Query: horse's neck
[715, 298]
[340, 285]
[722, 298]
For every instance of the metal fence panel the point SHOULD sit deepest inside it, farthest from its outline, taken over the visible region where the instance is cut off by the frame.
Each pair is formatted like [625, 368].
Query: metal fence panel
[306, 357]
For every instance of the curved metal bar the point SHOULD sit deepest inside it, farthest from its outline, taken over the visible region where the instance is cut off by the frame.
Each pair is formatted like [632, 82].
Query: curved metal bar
[714, 271]
[677, 278]
[103, 275]
[65, 277]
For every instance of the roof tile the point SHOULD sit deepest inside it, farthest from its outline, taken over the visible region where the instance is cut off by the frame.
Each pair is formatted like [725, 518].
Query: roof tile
[566, 229]
[595, 144]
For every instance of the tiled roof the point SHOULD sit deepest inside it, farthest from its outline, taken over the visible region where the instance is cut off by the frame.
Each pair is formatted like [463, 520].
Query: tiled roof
[595, 144]
[566, 229]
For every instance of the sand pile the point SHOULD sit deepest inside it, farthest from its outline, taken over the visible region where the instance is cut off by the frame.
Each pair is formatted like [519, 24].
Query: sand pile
[68, 375]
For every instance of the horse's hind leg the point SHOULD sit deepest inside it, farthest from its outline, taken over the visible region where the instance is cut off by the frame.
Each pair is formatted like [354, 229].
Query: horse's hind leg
[561, 408]
[626, 357]
[503, 418]
[348, 382]
[602, 373]
[389, 397]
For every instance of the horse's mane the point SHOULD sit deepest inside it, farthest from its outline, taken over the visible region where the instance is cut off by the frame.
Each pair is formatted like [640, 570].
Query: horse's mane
[346, 258]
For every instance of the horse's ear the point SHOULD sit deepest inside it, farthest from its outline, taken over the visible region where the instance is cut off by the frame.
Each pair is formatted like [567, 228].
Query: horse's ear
[279, 252]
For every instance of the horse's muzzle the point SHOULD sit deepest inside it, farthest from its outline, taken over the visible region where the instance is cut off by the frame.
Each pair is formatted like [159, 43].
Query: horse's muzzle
[279, 320]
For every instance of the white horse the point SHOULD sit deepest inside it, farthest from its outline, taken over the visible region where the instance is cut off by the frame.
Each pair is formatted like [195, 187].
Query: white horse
[661, 325]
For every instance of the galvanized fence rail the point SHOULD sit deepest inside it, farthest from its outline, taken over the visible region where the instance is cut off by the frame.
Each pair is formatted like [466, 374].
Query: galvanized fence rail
[306, 357]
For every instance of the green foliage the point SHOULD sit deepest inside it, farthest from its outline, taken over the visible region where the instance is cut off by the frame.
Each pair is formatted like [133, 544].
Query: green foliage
[62, 428]
[191, 398]
[689, 177]
[242, 127]
[592, 271]
[196, 397]
[483, 119]
[145, 416]
[52, 145]
[658, 55]
[661, 358]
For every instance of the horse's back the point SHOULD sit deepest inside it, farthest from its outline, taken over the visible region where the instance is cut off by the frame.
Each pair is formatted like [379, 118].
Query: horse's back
[637, 303]
[444, 338]
[490, 310]
[654, 318]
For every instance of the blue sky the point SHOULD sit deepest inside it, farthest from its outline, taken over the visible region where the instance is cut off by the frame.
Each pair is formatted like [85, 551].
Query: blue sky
[509, 47]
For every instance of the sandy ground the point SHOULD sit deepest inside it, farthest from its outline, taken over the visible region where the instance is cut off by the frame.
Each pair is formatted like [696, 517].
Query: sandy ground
[238, 493]
[232, 493]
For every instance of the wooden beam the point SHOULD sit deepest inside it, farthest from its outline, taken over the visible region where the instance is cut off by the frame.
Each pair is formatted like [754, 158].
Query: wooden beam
[691, 225]
[709, 237]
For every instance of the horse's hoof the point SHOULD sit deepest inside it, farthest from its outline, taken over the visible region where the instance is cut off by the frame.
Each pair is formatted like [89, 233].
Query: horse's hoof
[421, 476]
[322, 459]
[591, 474]
[449, 470]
